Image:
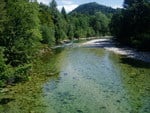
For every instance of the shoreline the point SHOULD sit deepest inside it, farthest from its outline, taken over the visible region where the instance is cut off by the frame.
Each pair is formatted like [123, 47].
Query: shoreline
[110, 45]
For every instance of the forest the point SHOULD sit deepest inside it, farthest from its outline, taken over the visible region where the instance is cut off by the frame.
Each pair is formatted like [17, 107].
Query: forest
[131, 25]
[26, 26]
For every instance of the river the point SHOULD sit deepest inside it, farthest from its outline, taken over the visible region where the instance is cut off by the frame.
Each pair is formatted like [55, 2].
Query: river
[89, 80]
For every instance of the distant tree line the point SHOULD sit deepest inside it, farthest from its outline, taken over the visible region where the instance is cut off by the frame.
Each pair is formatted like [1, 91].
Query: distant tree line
[132, 24]
[57, 26]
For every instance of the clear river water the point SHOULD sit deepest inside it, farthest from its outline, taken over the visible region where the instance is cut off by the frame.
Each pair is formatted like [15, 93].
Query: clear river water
[89, 80]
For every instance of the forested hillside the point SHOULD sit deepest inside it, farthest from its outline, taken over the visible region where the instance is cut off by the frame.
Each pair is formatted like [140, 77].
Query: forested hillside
[92, 8]
[92, 19]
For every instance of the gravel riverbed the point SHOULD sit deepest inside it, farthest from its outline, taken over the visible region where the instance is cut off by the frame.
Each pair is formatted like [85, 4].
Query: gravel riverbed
[111, 45]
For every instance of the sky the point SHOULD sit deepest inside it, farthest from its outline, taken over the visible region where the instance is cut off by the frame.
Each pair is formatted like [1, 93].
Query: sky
[72, 4]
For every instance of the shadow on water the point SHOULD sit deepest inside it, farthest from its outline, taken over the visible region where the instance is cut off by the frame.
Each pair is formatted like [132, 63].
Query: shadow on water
[4, 101]
[135, 63]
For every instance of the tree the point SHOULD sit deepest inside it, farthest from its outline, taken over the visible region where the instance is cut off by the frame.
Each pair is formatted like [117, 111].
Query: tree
[2, 18]
[47, 35]
[2, 15]
[58, 22]
[2, 67]
[134, 26]
[47, 25]
[53, 5]
[100, 24]
[116, 29]
[21, 33]
[19, 37]
[70, 32]
[81, 24]
[63, 12]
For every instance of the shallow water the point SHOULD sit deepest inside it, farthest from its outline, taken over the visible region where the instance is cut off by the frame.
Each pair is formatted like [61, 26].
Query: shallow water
[90, 80]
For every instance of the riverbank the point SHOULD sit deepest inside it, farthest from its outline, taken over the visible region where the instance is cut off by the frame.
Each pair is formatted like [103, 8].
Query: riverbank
[111, 45]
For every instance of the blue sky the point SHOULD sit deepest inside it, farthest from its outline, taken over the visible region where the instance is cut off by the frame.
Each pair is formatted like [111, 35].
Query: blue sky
[71, 4]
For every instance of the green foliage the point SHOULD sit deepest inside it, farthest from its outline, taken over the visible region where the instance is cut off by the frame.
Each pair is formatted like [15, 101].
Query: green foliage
[47, 25]
[100, 23]
[47, 35]
[81, 24]
[59, 23]
[2, 15]
[21, 73]
[63, 12]
[25, 25]
[70, 26]
[9, 74]
[91, 20]
[70, 32]
[116, 29]
[133, 26]
[53, 5]
[19, 36]
[2, 62]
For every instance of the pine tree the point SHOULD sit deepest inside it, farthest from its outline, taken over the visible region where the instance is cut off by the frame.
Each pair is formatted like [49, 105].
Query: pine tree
[63, 12]
[53, 5]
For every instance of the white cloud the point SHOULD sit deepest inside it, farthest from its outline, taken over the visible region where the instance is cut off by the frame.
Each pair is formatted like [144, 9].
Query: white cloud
[116, 6]
[67, 2]
[69, 5]
[44, 1]
[68, 8]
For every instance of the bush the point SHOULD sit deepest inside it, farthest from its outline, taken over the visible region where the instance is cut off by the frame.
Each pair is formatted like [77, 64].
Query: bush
[9, 74]
[47, 35]
[141, 41]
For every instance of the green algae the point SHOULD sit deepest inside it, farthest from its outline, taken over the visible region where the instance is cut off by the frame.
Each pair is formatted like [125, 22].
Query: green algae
[27, 97]
[85, 80]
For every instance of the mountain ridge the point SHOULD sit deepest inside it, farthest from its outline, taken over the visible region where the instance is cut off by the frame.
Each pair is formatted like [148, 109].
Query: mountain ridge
[93, 7]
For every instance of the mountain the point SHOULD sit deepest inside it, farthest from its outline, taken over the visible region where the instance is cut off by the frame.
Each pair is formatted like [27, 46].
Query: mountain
[92, 8]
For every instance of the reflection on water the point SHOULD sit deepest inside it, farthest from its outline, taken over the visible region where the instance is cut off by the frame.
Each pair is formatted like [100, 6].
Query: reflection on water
[89, 81]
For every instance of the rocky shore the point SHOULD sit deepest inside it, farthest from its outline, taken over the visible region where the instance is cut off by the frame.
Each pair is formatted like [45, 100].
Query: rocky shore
[111, 45]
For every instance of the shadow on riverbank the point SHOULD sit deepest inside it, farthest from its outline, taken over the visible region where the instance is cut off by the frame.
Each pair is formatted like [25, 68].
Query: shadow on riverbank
[4, 101]
[135, 63]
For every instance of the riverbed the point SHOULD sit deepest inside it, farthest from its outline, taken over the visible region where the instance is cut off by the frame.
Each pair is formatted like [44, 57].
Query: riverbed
[112, 45]
[89, 80]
